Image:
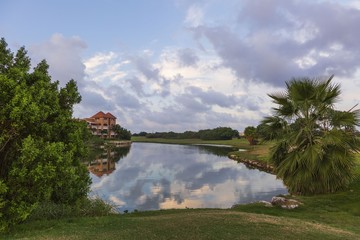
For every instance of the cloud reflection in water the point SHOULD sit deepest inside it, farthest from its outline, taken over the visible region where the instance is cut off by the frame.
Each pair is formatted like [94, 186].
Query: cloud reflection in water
[161, 176]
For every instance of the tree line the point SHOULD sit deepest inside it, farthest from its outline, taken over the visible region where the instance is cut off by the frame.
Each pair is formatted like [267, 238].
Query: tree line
[219, 133]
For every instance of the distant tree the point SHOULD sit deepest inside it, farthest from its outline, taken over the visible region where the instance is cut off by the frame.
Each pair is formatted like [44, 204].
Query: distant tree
[315, 144]
[219, 133]
[142, 134]
[251, 135]
[236, 133]
[40, 144]
[121, 133]
[189, 135]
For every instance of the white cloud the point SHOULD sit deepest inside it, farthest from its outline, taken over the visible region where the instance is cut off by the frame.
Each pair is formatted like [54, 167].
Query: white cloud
[63, 55]
[106, 68]
[99, 59]
[194, 16]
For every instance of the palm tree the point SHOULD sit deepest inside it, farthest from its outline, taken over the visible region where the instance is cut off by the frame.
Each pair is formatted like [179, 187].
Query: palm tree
[315, 144]
[251, 135]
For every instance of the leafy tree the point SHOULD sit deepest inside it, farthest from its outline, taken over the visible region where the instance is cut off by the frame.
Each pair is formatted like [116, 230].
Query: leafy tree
[121, 133]
[315, 147]
[251, 135]
[219, 133]
[142, 134]
[40, 144]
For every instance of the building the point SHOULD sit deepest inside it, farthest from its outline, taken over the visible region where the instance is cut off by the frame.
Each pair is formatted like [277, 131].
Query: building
[103, 164]
[101, 124]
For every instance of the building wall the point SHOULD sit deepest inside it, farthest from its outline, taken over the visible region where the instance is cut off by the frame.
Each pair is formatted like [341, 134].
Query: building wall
[101, 122]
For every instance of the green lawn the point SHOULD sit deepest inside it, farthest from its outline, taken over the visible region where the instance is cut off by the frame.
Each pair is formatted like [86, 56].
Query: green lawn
[258, 152]
[330, 216]
[188, 224]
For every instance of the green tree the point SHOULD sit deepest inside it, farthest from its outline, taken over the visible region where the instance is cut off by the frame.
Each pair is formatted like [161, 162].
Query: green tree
[219, 133]
[121, 133]
[40, 144]
[315, 147]
[251, 135]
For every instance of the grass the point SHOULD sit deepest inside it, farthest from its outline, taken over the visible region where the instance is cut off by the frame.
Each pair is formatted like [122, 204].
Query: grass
[84, 207]
[255, 152]
[183, 224]
[328, 216]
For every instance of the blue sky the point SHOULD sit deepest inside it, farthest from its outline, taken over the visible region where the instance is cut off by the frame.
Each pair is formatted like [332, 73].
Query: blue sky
[176, 65]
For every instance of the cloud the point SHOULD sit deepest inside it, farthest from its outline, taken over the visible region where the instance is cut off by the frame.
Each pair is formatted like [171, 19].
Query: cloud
[161, 94]
[194, 16]
[145, 67]
[136, 85]
[281, 39]
[220, 74]
[212, 97]
[122, 98]
[64, 57]
[106, 67]
[187, 57]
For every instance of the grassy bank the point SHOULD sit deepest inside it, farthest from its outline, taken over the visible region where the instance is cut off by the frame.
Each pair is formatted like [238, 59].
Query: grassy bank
[191, 224]
[330, 216]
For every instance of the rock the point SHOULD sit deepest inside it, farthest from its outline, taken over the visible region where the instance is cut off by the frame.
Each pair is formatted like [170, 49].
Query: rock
[285, 203]
[278, 200]
[266, 203]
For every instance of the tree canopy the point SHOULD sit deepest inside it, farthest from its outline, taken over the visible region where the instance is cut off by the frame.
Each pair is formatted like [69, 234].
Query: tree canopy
[315, 144]
[219, 133]
[41, 145]
[121, 133]
[251, 134]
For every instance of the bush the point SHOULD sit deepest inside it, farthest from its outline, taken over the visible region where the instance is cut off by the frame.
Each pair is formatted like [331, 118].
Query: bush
[83, 208]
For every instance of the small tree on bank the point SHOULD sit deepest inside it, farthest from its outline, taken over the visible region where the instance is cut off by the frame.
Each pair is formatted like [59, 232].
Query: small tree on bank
[251, 135]
[315, 144]
[121, 133]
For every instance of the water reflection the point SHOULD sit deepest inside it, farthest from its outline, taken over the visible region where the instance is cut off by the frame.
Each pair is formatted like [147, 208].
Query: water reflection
[104, 163]
[160, 176]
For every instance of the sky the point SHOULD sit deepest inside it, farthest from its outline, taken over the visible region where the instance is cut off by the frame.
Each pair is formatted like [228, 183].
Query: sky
[177, 65]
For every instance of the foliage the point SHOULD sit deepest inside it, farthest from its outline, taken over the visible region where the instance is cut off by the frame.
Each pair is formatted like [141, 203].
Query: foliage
[219, 133]
[3, 190]
[83, 208]
[140, 134]
[121, 133]
[315, 147]
[251, 135]
[40, 144]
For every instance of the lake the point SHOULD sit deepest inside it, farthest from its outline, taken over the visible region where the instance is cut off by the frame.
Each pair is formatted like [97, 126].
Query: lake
[150, 176]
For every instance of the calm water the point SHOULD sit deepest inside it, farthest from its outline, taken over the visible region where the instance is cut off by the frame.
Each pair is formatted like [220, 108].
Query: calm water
[152, 176]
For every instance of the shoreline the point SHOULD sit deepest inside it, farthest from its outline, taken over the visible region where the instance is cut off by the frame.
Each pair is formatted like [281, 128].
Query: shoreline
[253, 163]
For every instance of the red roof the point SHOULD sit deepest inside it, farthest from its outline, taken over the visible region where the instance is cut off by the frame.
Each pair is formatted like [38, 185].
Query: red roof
[92, 120]
[109, 115]
[101, 114]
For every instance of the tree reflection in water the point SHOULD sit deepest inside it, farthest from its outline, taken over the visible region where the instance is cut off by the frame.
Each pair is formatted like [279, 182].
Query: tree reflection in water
[104, 163]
